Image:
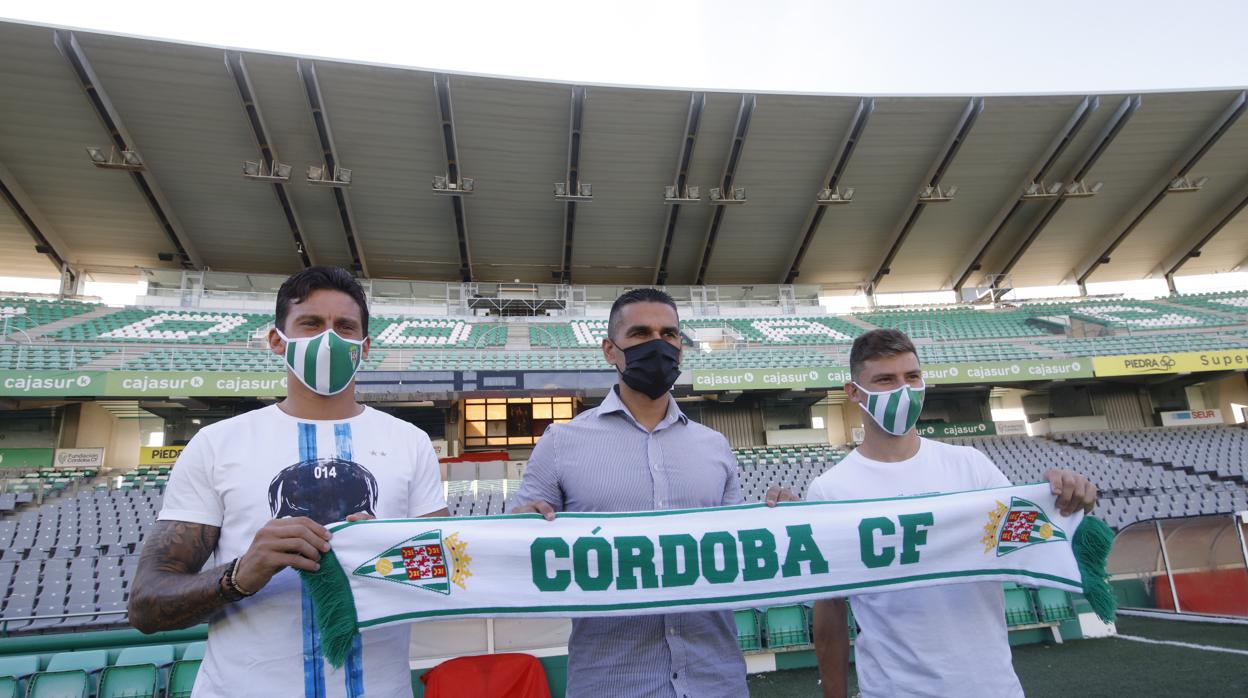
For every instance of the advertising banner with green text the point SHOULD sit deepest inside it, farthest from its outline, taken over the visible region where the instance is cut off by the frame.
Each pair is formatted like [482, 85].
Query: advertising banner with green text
[141, 384]
[934, 374]
[947, 430]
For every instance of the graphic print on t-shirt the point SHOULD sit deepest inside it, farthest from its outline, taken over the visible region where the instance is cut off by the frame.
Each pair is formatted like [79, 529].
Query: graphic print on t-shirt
[326, 490]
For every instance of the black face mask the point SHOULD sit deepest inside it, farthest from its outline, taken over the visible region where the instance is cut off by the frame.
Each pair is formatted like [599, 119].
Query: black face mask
[652, 367]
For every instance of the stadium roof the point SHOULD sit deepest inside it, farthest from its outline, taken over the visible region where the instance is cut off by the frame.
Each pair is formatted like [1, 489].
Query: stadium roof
[194, 114]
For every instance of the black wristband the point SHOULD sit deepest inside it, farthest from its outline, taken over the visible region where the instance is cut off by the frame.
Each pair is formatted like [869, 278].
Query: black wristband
[225, 591]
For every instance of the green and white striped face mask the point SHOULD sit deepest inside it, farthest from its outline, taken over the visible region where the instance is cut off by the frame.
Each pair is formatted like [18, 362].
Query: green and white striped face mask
[897, 410]
[325, 363]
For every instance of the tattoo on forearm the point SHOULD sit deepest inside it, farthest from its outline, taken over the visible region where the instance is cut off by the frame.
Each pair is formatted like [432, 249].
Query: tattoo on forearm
[169, 590]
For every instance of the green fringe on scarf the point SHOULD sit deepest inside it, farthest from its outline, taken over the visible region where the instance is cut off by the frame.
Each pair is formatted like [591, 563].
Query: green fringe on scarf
[1091, 543]
[334, 607]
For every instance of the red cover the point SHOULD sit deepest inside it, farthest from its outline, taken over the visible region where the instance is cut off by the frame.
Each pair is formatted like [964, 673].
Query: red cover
[487, 675]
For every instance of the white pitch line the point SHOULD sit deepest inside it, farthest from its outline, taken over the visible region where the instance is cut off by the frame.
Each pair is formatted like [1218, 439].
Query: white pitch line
[1189, 645]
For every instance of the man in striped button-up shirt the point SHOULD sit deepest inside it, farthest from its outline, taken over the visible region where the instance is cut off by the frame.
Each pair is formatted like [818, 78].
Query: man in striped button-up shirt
[638, 452]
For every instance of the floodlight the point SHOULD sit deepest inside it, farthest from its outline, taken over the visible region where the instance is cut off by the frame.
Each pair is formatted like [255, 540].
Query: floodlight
[824, 194]
[468, 184]
[251, 169]
[715, 194]
[316, 173]
[1055, 188]
[1201, 182]
[131, 158]
[738, 193]
[97, 155]
[587, 190]
[439, 182]
[280, 170]
[1096, 188]
[1032, 189]
[561, 189]
[342, 175]
[693, 192]
[925, 193]
[951, 191]
[669, 191]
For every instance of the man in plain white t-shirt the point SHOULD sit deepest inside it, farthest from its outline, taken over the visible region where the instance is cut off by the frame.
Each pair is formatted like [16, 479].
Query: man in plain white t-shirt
[935, 641]
[255, 492]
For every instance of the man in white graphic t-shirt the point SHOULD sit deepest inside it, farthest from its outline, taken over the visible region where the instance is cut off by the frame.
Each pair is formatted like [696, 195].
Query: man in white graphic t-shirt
[936, 641]
[255, 492]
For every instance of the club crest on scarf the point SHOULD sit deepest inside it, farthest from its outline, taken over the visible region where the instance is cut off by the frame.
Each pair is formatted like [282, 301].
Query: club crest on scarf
[426, 561]
[1020, 525]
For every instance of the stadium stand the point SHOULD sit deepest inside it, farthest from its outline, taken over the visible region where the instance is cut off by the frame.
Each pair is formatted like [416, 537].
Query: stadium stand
[1234, 302]
[509, 361]
[1220, 451]
[132, 672]
[1039, 319]
[1145, 344]
[771, 358]
[762, 331]
[990, 351]
[1132, 314]
[575, 334]
[157, 325]
[443, 333]
[44, 357]
[1131, 488]
[958, 323]
[25, 313]
[166, 359]
[782, 330]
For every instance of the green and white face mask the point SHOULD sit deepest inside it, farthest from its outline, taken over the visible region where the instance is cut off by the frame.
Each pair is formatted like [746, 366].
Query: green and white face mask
[325, 363]
[897, 410]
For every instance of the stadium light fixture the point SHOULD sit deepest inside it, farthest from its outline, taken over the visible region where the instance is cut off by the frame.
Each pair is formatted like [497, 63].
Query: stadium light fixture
[584, 193]
[115, 160]
[673, 195]
[1184, 185]
[832, 197]
[1081, 190]
[719, 197]
[936, 195]
[321, 176]
[445, 186]
[1038, 190]
[259, 172]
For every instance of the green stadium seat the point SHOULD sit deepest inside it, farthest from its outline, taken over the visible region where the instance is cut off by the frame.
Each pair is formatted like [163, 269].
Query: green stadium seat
[787, 626]
[14, 671]
[748, 636]
[1054, 605]
[1019, 609]
[158, 655]
[88, 660]
[130, 681]
[195, 650]
[182, 678]
[73, 683]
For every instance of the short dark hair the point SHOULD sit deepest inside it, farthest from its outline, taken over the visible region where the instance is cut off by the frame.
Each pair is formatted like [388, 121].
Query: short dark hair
[301, 284]
[877, 343]
[637, 295]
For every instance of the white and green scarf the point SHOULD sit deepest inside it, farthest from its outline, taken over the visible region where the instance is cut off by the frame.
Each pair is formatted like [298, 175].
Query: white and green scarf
[382, 572]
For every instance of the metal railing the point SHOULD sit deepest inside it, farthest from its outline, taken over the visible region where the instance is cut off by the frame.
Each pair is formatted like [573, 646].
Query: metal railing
[4, 622]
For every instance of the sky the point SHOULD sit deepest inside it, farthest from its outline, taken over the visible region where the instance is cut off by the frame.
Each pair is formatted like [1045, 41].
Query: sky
[873, 47]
